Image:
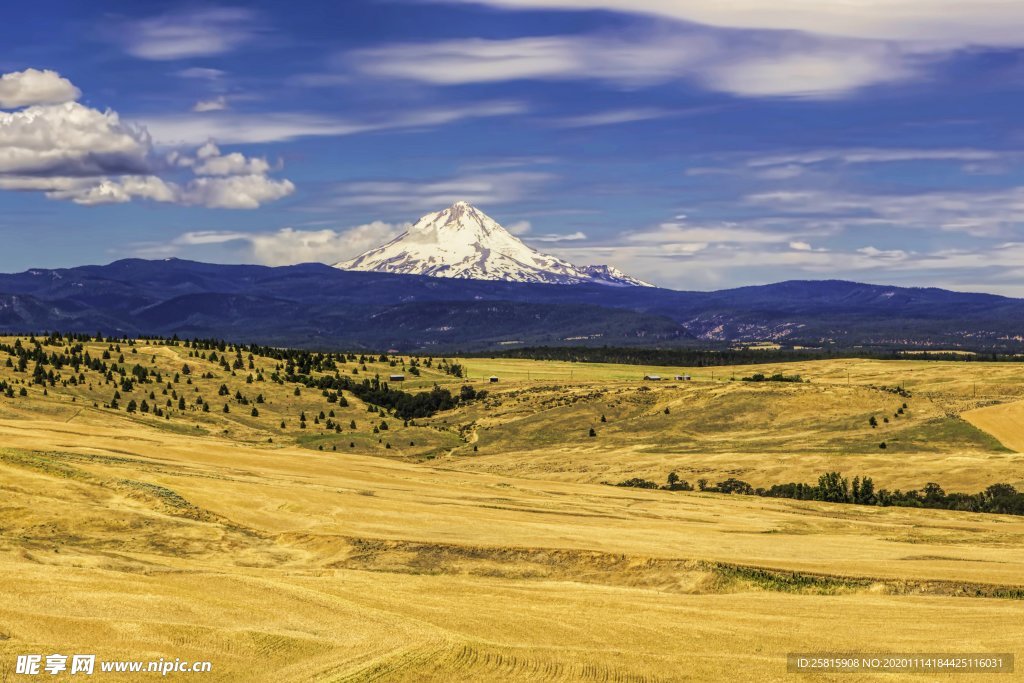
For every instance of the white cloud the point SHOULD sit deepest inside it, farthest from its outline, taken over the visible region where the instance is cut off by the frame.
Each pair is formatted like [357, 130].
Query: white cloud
[219, 103]
[239, 128]
[981, 214]
[283, 247]
[72, 152]
[235, 191]
[768, 66]
[884, 254]
[781, 172]
[117, 190]
[569, 237]
[873, 155]
[474, 60]
[519, 227]
[481, 189]
[201, 72]
[32, 86]
[210, 161]
[70, 139]
[676, 233]
[951, 23]
[612, 117]
[819, 73]
[204, 32]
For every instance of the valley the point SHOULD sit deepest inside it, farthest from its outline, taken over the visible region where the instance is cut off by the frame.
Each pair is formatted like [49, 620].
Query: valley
[344, 550]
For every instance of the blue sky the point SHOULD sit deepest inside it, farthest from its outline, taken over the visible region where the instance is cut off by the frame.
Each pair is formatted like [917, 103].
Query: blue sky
[694, 144]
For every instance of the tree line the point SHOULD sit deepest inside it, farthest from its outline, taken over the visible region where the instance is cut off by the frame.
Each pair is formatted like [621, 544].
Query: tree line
[833, 487]
[703, 357]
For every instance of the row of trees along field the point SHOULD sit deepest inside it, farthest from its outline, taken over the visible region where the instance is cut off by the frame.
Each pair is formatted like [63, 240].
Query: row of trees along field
[714, 357]
[833, 487]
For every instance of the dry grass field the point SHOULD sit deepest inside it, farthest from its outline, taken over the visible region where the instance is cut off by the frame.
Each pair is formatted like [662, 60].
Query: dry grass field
[481, 545]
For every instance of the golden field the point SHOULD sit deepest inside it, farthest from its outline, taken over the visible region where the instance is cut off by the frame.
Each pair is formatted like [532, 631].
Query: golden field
[482, 545]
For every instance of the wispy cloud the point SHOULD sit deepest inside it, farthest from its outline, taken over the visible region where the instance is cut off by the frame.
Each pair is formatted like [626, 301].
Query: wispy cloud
[873, 155]
[230, 127]
[769, 66]
[202, 73]
[931, 22]
[568, 237]
[180, 35]
[612, 117]
[482, 188]
[980, 213]
[219, 103]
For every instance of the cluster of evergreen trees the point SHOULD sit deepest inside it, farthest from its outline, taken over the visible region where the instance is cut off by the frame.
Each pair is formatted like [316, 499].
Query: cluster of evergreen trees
[70, 364]
[833, 487]
[299, 366]
[405, 405]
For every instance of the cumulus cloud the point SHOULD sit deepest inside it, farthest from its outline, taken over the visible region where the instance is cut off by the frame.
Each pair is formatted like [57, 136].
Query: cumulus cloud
[32, 86]
[210, 161]
[70, 139]
[236, 191]
[282, 247]
[115, 190]
[72, 152]
[180, 35]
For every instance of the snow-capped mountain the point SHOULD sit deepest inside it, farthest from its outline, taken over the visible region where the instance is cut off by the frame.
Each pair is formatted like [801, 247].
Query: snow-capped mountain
[464, 242]
[611, 275]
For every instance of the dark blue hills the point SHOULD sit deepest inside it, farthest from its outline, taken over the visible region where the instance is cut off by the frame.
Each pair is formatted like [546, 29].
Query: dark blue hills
[314, 305]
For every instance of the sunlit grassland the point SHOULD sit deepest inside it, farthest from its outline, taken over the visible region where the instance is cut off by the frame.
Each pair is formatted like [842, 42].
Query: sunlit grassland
[222, 536]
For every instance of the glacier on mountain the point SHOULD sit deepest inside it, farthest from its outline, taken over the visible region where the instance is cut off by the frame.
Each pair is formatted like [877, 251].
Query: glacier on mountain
[464, 242]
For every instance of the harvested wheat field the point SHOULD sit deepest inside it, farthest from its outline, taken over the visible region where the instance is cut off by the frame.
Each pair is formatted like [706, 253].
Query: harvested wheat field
[479, 543]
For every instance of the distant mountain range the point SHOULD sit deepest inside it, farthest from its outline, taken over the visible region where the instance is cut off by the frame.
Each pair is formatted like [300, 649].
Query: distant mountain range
[318, 306]
[464, 242]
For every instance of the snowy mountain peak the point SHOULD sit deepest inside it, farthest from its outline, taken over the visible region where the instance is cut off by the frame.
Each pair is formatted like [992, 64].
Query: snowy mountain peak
[464, 242]
[613, 276]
